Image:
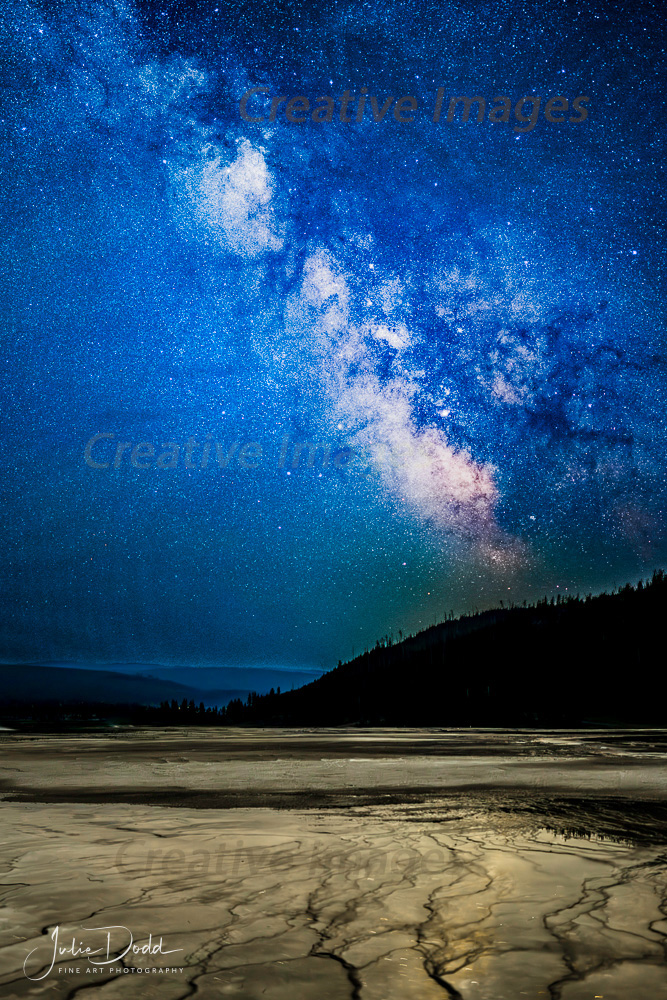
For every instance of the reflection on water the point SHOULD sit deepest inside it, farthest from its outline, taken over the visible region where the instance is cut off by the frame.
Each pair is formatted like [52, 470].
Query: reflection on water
[478, 893]
[368, 903]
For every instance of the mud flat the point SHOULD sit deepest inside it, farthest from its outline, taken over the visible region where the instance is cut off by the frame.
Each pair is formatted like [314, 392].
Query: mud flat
[486, 866]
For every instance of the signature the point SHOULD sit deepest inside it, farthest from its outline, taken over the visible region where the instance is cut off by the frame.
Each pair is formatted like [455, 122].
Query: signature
[105, 954]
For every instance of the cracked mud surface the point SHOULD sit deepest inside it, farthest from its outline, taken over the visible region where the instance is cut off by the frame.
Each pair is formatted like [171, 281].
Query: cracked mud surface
[394, 888]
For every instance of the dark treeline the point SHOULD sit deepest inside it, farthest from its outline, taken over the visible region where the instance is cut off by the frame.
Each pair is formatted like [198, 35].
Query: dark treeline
[73, 713]
[567, 661]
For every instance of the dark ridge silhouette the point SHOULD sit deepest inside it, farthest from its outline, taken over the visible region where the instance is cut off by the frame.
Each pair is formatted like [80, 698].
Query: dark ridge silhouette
[571, 661]
[568, 661]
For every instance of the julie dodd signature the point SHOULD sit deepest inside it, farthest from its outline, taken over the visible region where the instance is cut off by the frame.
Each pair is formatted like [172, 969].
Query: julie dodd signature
[113, 944]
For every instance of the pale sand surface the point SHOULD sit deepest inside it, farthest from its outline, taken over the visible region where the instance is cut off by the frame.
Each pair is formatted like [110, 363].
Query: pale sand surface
[430, 865]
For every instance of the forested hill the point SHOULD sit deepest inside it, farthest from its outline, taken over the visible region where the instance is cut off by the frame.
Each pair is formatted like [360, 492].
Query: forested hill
[563, 662]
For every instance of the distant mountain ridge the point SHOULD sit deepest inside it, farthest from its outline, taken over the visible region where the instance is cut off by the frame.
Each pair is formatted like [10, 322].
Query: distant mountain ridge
[32, 683]
[247, 679]
[214, 686]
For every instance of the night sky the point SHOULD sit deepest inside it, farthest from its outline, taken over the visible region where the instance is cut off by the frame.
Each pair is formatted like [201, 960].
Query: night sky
[466, 318]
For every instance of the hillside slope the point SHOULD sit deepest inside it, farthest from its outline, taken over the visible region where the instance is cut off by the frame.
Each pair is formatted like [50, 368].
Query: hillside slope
[600, 658]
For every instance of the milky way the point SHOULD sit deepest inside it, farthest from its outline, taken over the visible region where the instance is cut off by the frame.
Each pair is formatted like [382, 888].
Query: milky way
[461, 324]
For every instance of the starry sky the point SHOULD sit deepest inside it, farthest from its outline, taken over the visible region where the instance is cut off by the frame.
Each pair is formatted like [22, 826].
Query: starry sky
[465, 321]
